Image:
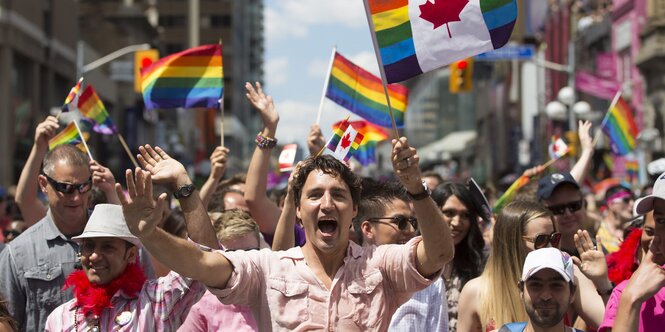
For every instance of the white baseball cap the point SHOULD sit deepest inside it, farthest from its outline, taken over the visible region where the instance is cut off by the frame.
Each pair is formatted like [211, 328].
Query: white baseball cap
[645, 204]
[548, 258]
[107, 220]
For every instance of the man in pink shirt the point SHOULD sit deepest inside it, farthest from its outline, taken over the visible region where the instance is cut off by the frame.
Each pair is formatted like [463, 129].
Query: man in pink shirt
[638, 304]
[329, 283]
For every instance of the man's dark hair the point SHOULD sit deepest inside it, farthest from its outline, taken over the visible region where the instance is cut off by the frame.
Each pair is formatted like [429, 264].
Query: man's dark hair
[328, 165]
[69, 153]
[374, 198]
[432, 174]
[469, 259]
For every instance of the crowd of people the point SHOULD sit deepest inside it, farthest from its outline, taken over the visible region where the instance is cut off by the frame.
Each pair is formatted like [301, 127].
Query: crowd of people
[149, 251]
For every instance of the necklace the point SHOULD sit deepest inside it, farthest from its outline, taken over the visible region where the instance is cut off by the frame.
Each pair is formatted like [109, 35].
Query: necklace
[94, 328]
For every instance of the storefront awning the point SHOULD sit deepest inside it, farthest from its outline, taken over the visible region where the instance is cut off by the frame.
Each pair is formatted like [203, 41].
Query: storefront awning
[450, 146]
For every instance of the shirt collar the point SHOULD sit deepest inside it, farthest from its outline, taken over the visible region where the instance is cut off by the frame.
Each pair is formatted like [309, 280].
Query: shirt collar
[51, 232]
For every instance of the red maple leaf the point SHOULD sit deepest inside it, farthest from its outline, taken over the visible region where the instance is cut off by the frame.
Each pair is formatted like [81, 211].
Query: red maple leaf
[440, 12]
[346, 141]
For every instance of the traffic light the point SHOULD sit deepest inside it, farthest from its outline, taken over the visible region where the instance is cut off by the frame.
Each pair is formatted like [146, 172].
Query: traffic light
[573, 142]
[143, 59]
[460, 75]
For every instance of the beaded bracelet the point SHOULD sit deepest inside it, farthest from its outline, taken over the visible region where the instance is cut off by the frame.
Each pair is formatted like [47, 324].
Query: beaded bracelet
[265, 142]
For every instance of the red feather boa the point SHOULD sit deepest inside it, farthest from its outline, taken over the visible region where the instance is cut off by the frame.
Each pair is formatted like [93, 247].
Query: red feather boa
[93, 298]
[622, 263]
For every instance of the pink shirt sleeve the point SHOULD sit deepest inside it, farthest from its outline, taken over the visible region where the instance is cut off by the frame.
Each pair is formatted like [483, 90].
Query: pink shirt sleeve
[245, 269]
[612, 308]
[398, 263]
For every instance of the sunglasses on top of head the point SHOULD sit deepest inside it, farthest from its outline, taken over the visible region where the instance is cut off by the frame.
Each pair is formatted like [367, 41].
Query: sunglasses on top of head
[560, 209]
[402, 222]
[541, 240]
[68, 188]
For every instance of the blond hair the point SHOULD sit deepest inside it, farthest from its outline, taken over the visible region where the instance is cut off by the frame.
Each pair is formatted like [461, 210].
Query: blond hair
[233, 223]
[500, 301]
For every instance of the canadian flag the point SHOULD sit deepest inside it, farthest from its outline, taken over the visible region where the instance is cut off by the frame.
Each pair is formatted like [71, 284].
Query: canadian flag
[342, 147]
[287, 157]
[558, 148]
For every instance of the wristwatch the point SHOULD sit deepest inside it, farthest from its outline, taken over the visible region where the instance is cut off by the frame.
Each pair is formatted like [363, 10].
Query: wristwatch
[184, 191]
[421, 195]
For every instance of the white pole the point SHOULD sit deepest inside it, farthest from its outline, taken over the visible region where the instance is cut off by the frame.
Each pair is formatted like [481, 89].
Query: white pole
[325, 85]
[609, 109]
[82, 139]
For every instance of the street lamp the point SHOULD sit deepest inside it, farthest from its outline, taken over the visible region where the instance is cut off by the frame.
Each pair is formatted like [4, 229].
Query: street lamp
[556, 110]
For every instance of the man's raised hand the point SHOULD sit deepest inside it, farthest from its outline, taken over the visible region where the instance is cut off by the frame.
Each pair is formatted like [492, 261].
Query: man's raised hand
[163, 168]
[140, 209]
[45, 131]
[263, 103]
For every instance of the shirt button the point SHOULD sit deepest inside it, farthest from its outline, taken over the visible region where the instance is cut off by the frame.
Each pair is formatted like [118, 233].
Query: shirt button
[48, 276]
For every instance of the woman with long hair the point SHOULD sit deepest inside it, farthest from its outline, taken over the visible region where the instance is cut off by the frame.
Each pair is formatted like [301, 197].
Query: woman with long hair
[461, 213]
[493, 299]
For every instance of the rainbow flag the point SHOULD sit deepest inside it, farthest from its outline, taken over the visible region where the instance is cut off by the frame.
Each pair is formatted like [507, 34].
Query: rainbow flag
[632, 168]
[362, 93]
[69, 135]
[557, 148]
[189, 79]
[414, 37]
[72, 94]
[510, 193]
[344, 141]
[366, 152]
[92, 108]
[620, 127]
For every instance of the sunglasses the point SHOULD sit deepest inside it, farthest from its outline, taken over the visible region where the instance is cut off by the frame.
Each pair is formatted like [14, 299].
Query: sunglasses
[68, 188]
[8, 232]
[541, 240]
[573, 207]
[402, 222]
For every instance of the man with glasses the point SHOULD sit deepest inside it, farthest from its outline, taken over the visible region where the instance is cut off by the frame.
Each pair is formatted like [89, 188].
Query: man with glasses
[561, 194]
[385, 217]
[33, 267]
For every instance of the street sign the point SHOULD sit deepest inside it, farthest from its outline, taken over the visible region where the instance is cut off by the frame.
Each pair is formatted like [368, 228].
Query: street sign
[509, 52]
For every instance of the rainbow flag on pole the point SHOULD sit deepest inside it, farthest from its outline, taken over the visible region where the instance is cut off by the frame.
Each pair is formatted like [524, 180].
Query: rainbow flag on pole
[189, 79]
[366, 152]
[92, 108]
[414, 37]
[344, 141]
[69, 135]
[510, 193]
[620, 127]
[72, 94]
[361, 92]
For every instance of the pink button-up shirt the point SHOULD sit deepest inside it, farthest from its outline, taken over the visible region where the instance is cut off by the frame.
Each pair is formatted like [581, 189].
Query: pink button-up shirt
[284, 294]
[161, 305]
[211, 315]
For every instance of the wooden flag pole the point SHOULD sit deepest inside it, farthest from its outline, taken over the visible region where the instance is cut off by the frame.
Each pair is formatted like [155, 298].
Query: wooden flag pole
[221, 102]
[381, 70]
[83, 139]
[325, 85]
[129, 153]
[596, 137]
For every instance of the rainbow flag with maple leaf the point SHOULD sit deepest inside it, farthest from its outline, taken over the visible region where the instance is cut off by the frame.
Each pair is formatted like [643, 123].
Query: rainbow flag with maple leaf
[412, 37]
[373, 134]
[361, 92]
[72, 94]
[344, 141]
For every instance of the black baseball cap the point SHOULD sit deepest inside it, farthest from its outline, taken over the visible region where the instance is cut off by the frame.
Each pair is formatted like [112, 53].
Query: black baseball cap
[550, 182]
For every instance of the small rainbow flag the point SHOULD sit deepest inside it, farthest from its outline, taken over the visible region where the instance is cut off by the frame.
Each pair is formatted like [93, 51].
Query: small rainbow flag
[361, 92]
[557, 148]
[189, 79]
[344, 141]
[72, 94]
[69, 135]
[92, 108]
[373, 134]
[620, 127]
[413, 37]
[632, 168]
[510, 193]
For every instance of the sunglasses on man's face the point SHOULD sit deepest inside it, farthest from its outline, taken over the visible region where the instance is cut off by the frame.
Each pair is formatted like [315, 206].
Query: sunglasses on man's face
[560, 209]
[68, 188]
[541, 240]
[402, 222]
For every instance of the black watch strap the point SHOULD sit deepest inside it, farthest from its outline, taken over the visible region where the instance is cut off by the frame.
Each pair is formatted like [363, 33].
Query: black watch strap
[421, 195]
[184, 191]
